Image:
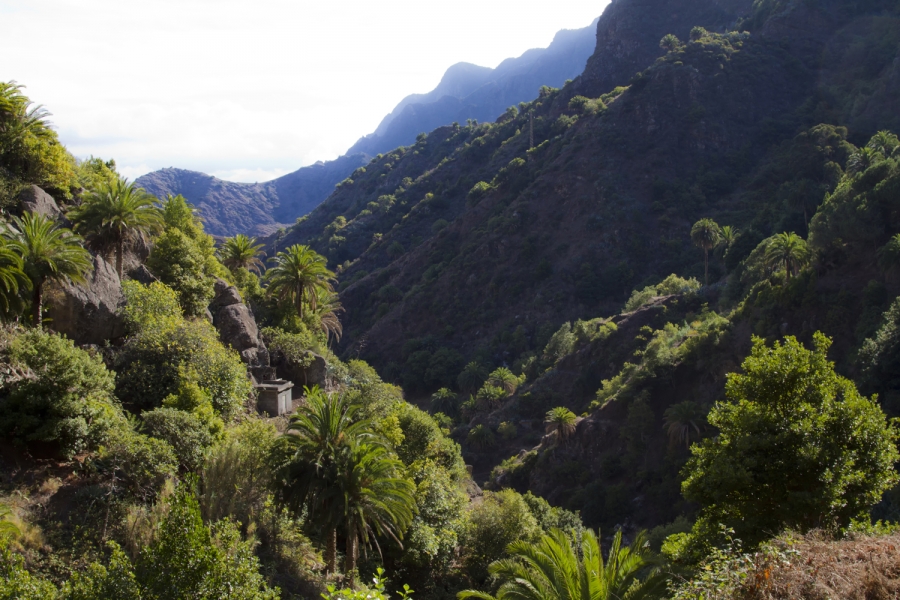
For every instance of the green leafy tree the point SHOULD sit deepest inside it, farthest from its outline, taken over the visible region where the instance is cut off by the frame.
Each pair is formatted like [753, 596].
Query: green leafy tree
[49, 253]
[787, 250]
[798, 447]
[117, 214]
[705, 234]
[501, 519]
[889, 255]
[184, 257]
[168, 355]
[189, 559]
[554, 568]
[560, 420]
[300, 276]
[241, 252]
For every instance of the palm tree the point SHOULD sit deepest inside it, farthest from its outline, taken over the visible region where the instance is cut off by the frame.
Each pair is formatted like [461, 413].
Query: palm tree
[7, 527]
[861, 160]
[669, 42]
[18, 116]
[377, 499]
[444, 401]
[562, 421]
[300, 274]
[471, 378]
[48, 252]
[327, 310]
[684, 421]
[884, 142]
[481, 437]
[787, 250]
[706, 234]
[116, 214]
[319, 437]
[12, 278]
[728, 236]
[504, 378]
[241, 251]
[553, 569]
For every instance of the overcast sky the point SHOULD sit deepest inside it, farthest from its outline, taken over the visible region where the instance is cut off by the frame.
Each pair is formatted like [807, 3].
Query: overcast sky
[249, 90]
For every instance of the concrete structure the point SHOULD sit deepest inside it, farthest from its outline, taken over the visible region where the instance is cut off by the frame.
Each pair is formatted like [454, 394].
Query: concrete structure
[275, 397]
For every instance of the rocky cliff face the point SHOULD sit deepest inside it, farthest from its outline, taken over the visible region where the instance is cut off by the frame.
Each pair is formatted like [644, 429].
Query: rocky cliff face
[253, 208]
[629, 32]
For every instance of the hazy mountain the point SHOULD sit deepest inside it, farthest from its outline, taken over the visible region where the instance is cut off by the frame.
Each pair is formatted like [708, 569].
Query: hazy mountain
[253, 208]
[468, 91]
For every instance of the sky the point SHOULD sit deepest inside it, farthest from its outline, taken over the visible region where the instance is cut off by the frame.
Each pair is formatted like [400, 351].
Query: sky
[249, 90]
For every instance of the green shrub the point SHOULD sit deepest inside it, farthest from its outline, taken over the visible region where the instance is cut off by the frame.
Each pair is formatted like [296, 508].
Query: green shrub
[561, 343]
[507, 430]
[188, 435]
[189, 559]
[142, 464]
[69, 400]
[167, 353]
[16, 583]
[236, 473]
[502, 518]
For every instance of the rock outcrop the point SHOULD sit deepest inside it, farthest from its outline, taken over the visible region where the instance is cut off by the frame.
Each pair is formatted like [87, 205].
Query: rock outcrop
[88, 313]
[237, 326]
[34, 199]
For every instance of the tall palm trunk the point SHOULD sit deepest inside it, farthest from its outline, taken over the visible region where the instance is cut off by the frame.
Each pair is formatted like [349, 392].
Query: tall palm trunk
[352, 555]
[331, 551]
[705, 266]
[37, 303]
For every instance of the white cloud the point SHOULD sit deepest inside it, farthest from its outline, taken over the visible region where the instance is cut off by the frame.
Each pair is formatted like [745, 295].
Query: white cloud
[228, 86]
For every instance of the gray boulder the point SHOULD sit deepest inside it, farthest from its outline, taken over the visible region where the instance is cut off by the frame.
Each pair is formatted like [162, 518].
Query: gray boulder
[88, 313]
[34, 199]
[236, 325]
[225, 295]
[142, 274]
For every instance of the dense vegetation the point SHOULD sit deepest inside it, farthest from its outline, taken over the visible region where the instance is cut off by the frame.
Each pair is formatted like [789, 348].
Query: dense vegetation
[673, 365]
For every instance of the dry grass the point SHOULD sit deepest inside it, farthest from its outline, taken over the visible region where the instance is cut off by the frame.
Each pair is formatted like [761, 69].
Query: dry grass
[862, 568]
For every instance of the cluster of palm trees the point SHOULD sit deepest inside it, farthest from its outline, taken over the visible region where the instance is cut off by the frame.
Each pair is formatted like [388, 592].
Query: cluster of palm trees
[36, 249]
[883, 144]
[345, 476]
[708, 235]
[785, 250]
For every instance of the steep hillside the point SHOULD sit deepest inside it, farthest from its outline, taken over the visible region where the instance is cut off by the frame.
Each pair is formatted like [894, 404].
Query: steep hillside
[469, 91]
[601, 205]
[255, 208]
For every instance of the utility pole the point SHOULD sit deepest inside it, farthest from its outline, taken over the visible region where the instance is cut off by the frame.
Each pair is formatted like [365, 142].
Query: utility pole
[531, 130]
